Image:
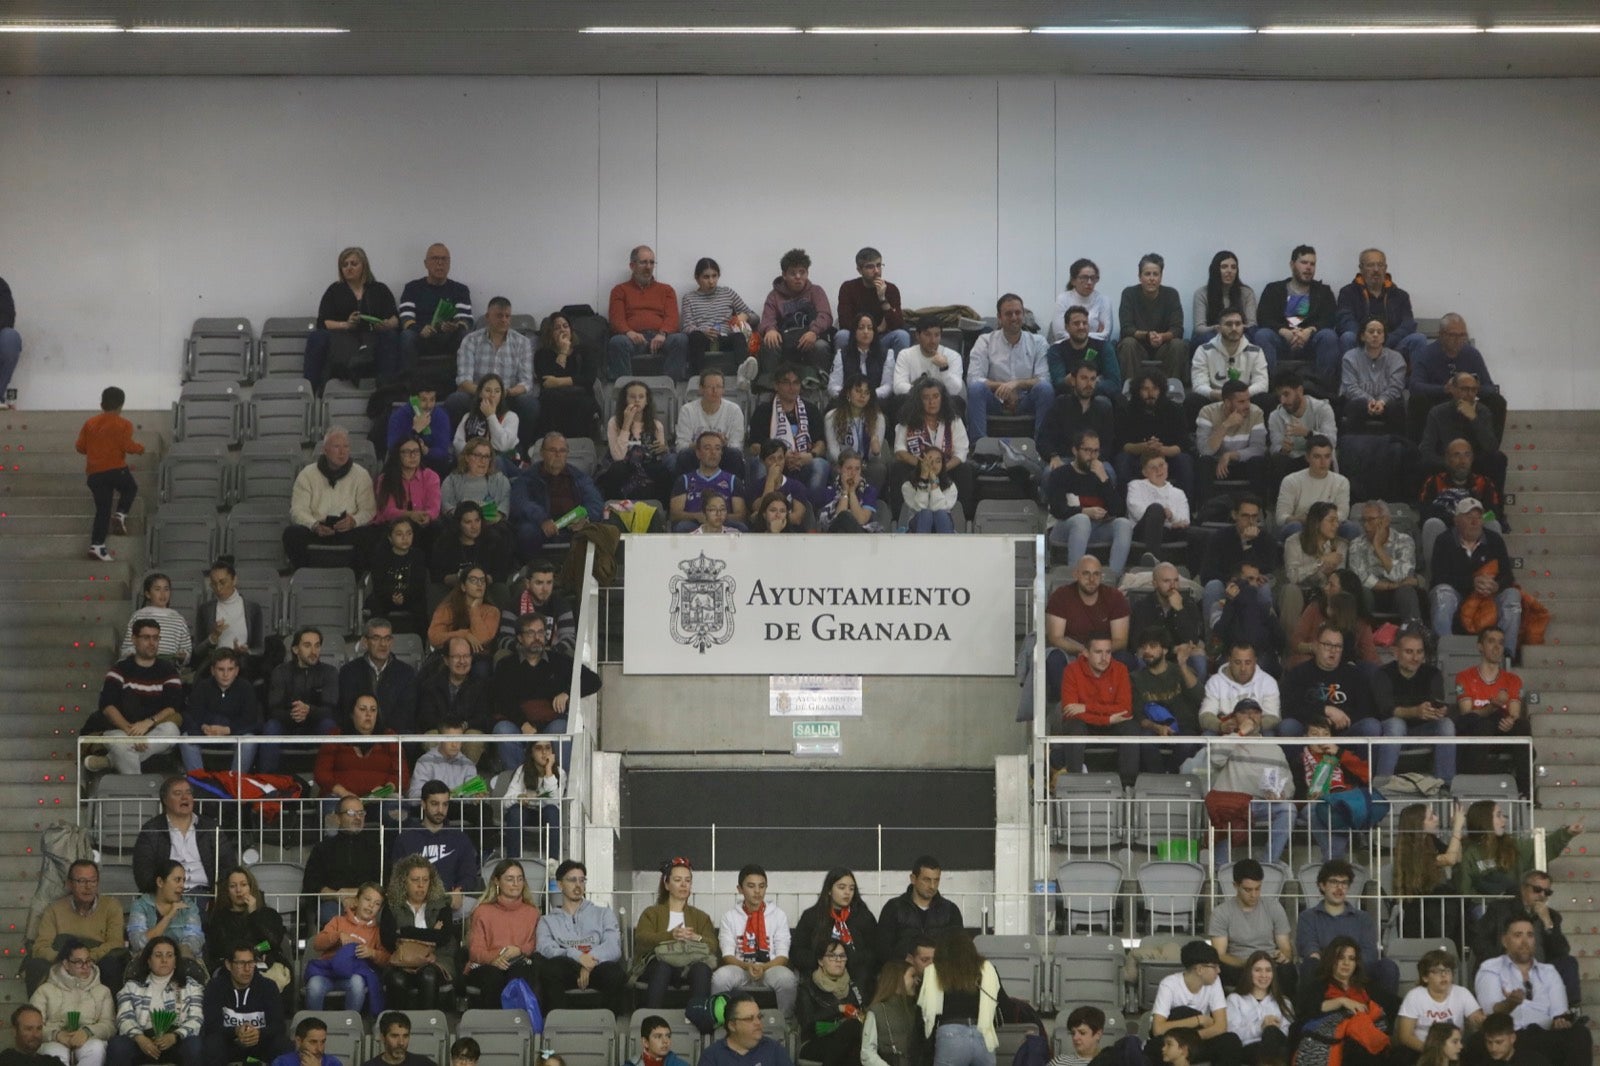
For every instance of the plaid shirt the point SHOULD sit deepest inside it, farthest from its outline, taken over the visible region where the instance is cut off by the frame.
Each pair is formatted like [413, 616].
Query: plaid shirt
[513, 360]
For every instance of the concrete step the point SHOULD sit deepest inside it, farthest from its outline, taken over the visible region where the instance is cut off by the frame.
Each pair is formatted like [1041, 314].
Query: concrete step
[55, 499]
[1546, 459]
[40, 525]
[1554, 526]
[85, 637]
[62, 546]
[1528, 441]
[1521, 481]
[112, 613]
[65, 672]
[154, 434]
[1568, 653]
[74, 582]
[1569, 679]
[1578, 420]
[68, 462]
[1566, 726]
[1538, 501]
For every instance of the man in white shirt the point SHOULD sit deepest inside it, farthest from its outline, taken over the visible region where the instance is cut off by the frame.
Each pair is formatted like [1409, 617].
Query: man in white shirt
[1533, 994]
[1194, 1000]
[1008, 372]
[754, 941]
[709, 411]
[1156, 505]
[1228, 357]
[1318, 482]
[1240, 678]
[928, 358]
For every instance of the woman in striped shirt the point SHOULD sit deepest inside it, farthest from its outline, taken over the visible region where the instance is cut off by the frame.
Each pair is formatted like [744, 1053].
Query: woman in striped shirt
[176, 644]
[713, 315]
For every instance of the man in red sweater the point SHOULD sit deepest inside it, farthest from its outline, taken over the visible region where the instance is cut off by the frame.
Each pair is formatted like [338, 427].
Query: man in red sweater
[644, 318]
[1097, 698]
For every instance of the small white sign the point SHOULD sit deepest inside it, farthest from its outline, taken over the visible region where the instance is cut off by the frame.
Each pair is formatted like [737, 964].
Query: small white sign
[802, 695]
[818, 739]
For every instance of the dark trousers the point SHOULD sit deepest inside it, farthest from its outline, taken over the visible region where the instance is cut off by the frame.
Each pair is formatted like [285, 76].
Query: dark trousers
[383, 348]
[963, 476]
[490, 980]
[103, 486]
[1127, 754]
[122, 1051]
[220, 1047]
[405, 990]
[1476, 760]
[557, 977]
[659, 977]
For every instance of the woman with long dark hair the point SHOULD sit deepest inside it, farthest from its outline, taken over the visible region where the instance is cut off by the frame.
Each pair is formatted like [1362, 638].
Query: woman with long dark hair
[929, 423]
[1082, 277]
[1419, 871]
[892, 1033]
[838, 916]
[1339, 993]
[399, 575]
[155, 604]
[856, 424]
[1336, 603]
[1259, 1013]
[637, 448]
[566, 381]
[466, 613]
[239, 915]
[490, 417]
[960, 1001]
[405, 488]
[157, 983]
[1223, 291]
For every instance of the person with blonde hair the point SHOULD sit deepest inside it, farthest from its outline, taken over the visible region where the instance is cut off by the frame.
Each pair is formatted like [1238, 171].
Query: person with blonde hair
[504, 938]
[357, 319]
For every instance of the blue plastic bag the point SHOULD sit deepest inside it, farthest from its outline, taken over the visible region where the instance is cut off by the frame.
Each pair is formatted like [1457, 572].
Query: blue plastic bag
[516, 995]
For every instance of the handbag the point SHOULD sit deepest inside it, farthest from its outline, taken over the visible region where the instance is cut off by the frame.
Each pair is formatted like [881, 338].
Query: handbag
[681, 954]
[412, 955]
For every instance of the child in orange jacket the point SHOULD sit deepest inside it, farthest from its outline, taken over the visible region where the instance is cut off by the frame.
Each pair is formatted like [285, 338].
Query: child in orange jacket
[106, 440]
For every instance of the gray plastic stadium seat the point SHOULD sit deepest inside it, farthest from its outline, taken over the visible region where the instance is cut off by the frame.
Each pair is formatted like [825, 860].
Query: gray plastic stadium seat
[409, 649]
[182, 537]
[208, 410]
[266, 471]
[325, 598]
[1089, 812]
[1468, 789]
[344, 404]
[1166, 807]
[282, 349]
[219, 349]
[280, 885]
[1406, 952]
[364, 455]
[1089, 889]
[581, 1037]
[282, 409]
[430, 1034]
[263, 585]
[504, 1037]
[1008, 516]
[253, 532]
[581, 453]
[187, 592]
[196, 471]
[347, 1033]
[116, 879]
[1306, 876]
[1087, 970]
[1171, 892]
[1019, 960]
[122, 803]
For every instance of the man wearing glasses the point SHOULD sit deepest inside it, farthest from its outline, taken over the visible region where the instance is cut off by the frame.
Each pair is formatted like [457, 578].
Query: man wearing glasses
[1433, 368]
[243, 1012]
[379, 674]
[340, 863]
[530, 692]
[420, 335]
[581, 943]
[82, 914]
[1533, 994]
[644, 319]
[746, 1043]
[1549, 942]
[1332, 686]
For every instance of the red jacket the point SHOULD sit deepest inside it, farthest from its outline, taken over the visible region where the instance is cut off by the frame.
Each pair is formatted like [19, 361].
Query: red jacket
[360, 769]
[1110, 693]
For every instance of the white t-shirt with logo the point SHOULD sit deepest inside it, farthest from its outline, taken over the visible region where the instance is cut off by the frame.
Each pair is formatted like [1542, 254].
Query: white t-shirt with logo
[1173, 993]
[1420, 1005]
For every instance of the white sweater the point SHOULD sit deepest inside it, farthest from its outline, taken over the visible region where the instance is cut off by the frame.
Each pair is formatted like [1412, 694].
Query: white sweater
[1246, 1015]
[911, 364]
[693, 421]
[1300, 490]
[1222, 692]
[1142, 495]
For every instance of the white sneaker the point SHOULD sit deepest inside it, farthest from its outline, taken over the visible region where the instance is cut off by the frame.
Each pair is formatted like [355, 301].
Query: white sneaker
[99, 551]
[96, 764]
[747, 371]
[119, 524]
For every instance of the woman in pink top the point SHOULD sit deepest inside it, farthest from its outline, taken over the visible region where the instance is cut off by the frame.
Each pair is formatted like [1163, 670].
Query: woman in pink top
[504, 936]
[407, 488]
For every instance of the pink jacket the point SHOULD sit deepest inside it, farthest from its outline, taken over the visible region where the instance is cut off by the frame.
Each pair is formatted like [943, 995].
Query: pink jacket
[424, 493]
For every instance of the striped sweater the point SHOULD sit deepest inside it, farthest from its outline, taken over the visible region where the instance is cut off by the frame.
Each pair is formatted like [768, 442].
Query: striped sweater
[135, 1002]
[710, 310]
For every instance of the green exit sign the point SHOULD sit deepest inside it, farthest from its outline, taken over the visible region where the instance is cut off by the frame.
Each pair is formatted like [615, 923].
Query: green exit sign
[816, 730]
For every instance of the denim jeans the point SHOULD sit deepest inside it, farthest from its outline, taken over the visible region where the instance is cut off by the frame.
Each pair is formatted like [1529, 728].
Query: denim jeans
[192, 760]
[1444, 752]
[512, 755]
[353, 987]
[981, 403]
[620, 352]
[1445, 602]
[960, 1045]
[10, 355]
[1078, 533]
[1322, 349]
[930, 522]
[1277, 815]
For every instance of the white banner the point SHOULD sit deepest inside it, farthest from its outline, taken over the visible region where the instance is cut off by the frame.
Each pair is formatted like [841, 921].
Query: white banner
[814, 695]
[876, 604]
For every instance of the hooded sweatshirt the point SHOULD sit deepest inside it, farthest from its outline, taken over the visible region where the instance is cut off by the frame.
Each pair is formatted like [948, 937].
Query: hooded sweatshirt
[808, 311]
[1392, 305]
[228, 1007]
[346, 924]
[65, 992]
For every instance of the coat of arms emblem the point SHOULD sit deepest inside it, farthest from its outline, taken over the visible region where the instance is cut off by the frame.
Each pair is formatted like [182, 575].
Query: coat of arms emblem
[702, 603]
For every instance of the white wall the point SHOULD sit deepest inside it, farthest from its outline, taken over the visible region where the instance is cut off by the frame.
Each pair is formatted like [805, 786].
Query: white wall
[131, 206]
